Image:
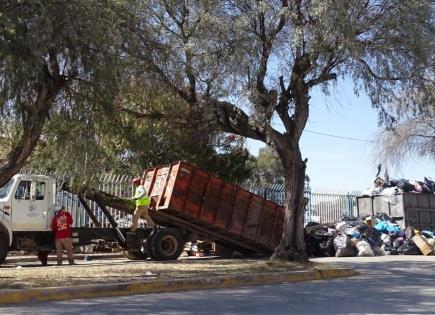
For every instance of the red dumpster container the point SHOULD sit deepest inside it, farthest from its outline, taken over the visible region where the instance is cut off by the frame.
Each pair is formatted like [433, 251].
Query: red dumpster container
[184, 190]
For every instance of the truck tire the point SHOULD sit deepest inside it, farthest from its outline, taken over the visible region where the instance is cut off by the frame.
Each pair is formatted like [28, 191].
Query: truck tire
[3, 249]
[135, 255]
[166, 244]
[141, 254]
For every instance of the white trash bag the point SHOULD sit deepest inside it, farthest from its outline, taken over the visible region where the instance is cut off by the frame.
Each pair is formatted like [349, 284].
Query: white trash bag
[364, 249]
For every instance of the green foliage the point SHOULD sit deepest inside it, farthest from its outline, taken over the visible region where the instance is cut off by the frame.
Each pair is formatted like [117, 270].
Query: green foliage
[79, 37]
[232, 161]
[413, 131]
[85, 144]
[72, 49]
[267, 168]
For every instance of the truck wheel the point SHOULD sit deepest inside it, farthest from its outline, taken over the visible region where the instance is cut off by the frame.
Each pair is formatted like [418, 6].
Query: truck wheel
[141, 254]
[166, 244]
[133, 255]
[3, 249]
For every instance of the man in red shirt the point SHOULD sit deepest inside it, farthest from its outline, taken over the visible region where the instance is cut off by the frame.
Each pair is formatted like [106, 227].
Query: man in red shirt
[61, 227]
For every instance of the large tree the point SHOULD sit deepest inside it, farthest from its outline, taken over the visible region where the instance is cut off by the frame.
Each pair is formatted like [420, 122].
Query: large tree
[242, 64]
[54, 56]
[411, 128]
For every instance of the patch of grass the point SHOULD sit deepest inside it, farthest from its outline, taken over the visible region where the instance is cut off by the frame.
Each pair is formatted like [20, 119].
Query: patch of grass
[115, 271]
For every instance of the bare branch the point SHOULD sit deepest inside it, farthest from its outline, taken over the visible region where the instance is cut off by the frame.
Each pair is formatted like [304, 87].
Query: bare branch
[324, 77]
[230, 118]
[378, 77]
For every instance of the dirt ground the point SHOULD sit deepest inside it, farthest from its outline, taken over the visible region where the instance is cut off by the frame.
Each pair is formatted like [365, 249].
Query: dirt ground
[17, 276]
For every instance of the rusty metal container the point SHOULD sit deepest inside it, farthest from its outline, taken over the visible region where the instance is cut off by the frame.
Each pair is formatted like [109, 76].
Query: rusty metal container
[183, 190]
[410, 209]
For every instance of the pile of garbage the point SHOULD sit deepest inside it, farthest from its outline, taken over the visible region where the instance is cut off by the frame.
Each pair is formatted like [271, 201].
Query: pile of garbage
[383, 186]
[366, 236]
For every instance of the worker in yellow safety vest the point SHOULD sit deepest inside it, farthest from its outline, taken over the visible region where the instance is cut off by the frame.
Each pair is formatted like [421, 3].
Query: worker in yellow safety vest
[142, 204]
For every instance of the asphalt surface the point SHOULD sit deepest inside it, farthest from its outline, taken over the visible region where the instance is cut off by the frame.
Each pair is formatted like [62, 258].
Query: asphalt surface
[387, 285]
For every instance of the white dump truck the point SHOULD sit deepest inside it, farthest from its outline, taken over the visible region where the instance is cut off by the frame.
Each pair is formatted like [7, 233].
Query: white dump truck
[27, 206]
[187, 204]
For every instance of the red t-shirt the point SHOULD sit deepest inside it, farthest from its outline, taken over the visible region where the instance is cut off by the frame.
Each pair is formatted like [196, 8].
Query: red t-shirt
[61, 225]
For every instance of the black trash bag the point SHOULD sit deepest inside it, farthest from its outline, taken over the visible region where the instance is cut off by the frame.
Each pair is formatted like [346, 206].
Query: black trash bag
[384, 217]
[427, 234]
[409, 248]
[371, 235]
[405, 185]
[327, 246]
[312, 224]
[429, 183]
[398, 242]
[393, 182]
[391, 250]
[314, 228]
[312, 244]
[357, 223]
[343, 246]
[347, 218]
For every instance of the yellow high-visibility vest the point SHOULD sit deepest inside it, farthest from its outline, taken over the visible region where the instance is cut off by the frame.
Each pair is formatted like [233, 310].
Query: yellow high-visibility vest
[145, 200]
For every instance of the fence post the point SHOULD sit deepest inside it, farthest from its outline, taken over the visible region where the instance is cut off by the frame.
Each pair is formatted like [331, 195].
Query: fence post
[307, 194]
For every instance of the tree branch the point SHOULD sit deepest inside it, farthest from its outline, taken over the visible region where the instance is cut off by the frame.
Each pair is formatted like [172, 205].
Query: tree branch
[283, 104]
[378, 77]
[230, 118]
[267, 42]
[322, 78]
[34, 122]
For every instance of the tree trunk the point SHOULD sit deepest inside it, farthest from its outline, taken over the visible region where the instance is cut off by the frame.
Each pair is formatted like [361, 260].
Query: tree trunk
[292, 245]
[32, 129]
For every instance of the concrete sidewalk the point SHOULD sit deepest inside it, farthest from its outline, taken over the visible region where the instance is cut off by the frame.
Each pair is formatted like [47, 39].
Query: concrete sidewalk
[12, 296]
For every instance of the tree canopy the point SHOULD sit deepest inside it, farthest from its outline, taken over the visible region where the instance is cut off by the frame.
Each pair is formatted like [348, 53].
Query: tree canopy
[240, 65]
[411, 131]
[55, 57]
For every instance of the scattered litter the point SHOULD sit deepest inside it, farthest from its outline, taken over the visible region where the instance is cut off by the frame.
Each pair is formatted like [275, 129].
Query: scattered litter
[375, 235]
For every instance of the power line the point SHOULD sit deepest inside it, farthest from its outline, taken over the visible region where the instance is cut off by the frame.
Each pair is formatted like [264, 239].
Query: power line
[335, 136]
[331, 135]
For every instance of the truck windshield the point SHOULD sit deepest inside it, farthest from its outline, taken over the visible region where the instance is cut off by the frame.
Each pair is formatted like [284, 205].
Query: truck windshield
[4, 190]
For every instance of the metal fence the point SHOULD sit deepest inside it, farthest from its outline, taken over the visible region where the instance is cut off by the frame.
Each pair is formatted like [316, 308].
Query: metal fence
[323, 206]
[113, 184]
[118, 185]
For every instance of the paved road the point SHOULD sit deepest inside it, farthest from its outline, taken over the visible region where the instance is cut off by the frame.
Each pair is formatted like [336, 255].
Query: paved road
[388, 285]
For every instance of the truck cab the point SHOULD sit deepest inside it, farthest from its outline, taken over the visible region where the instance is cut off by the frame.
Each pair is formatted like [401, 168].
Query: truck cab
[26, 207]
[28, 201]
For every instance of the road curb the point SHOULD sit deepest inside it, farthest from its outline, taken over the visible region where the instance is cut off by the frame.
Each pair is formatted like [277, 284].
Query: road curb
[11, 296]
[327, 274]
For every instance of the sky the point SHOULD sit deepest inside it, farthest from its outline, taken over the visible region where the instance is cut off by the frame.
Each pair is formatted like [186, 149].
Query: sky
[344, 165]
